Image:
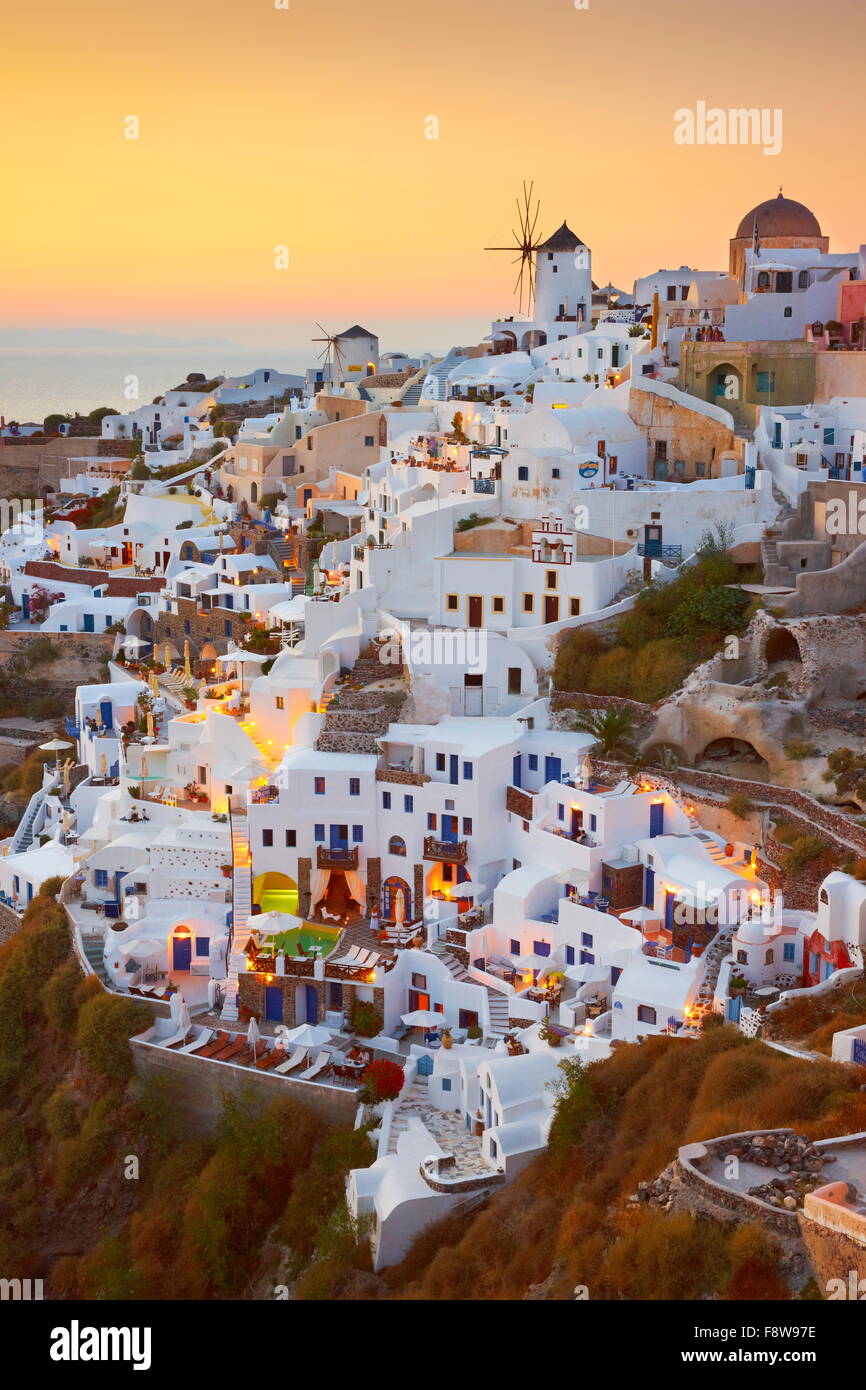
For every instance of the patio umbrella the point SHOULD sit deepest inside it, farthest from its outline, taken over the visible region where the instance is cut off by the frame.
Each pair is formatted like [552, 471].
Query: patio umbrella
[423, 1018]
[150, 724]
[468, 889]
[308, 1035]
[187, 669]
[587, 974]
[167, 657]
[144, 946]
[576, 879]
[532, 962]
[154, 684]
[176, 1004]
[641, 914]
[55, 746]
[253, 1034]
[273, 922]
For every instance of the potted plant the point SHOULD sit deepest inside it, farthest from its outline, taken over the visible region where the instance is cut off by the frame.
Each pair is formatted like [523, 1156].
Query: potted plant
[447, 1040]
[473, 1032]
[226, 870]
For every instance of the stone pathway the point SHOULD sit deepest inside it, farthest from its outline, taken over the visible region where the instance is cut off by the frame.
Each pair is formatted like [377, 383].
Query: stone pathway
[449, 1130]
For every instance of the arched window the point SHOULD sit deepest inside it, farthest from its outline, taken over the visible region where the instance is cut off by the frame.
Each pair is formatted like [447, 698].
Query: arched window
[763, 280]
[397, 845]
[254, 492]
[803, 280]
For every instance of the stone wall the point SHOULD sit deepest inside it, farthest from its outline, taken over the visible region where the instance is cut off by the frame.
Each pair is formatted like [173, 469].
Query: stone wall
[200, 1085]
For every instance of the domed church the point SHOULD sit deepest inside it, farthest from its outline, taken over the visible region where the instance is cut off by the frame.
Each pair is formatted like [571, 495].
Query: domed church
[781, 222]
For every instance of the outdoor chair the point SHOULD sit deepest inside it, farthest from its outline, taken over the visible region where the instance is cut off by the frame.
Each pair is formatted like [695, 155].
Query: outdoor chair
[198, 1043]
[318, 1065]
[228, 1054]
[271, 1059]
[179, 1038]
[297, 1058]
[218, 1045]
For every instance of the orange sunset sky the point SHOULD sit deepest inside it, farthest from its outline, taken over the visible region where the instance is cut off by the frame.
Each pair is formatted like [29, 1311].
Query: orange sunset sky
[261, 126]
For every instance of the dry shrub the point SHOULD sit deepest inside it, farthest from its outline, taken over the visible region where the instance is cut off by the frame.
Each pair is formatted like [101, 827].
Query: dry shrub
[754, 1266]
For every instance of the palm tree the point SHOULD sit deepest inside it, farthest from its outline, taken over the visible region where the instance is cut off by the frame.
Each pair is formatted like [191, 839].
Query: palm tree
[612, 729]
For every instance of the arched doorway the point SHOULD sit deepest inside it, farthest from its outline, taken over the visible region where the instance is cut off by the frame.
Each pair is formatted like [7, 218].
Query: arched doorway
[781, 645]
[736, 757]
[390, 891]
[276, 892]
[181, 948]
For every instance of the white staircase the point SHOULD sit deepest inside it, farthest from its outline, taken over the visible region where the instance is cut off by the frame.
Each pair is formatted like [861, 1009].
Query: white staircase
[497, 1002]
[241, 911]
[23, 837]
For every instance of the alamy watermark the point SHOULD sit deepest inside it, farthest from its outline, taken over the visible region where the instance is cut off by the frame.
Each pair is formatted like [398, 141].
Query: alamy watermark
[23, 516]
[736, 125]
[434, 647]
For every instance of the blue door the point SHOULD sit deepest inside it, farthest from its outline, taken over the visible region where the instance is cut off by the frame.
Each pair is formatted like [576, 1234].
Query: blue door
[552, 769]
[425, 1065]
[182, 955]
[118, 879]
[339, 837]
[452, 768]
[25, 607]
[515, 771]
[649, 887]
[449, 829]
[89, 622]
[273, 1004]
[657, 818]
[312, 1004]
[669, 910]
[106, 710]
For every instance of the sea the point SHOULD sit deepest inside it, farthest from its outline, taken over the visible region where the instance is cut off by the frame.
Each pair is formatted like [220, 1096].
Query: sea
[35, 382]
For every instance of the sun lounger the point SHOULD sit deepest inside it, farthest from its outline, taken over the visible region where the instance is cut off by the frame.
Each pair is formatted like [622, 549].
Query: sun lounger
[271, 1059]
[250, 1054]
[198, 1043]
[218, 1044]
[319, 1064]
[180, 1037]
[298, 1056]
[228, 1054]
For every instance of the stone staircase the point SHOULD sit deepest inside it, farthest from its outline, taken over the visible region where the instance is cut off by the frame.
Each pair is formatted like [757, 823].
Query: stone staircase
[94, 948]
[412, 395]
[23, 836]
[349, 713]
[416, 1097]
[718, 949]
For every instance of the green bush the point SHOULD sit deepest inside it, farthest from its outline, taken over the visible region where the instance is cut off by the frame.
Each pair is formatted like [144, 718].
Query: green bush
[62, 1113]
[366, 1019]
[739, 805]
[58, 998]
[797, 749]
[105, 1025]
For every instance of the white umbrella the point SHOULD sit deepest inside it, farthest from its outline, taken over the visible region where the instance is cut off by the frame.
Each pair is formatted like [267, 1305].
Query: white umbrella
[641, 914]
[587, 974]
[146, 947]
[179, 1011]
[308, 1035]
[273, 922]
[576, 879]
[532, 962]
[54, 746]
[468, 889]
[253, 1034]
[423, 1018]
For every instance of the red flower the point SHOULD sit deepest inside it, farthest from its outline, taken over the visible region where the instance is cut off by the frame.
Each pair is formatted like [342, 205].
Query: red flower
[383, 1080]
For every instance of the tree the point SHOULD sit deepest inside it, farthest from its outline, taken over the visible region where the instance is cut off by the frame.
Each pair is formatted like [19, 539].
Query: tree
[612, 729]
[383, 1080]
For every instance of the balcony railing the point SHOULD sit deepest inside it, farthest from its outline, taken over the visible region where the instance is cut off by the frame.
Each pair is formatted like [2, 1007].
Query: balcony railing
[450, 851]
[262, 795]
[654, 550]
[487, 485]
[329, 857]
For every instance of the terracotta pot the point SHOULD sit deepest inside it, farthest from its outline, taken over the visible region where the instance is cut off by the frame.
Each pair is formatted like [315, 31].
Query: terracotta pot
[447, 1040]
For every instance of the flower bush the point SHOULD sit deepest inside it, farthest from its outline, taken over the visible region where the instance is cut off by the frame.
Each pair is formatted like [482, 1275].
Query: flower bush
[383, 1080]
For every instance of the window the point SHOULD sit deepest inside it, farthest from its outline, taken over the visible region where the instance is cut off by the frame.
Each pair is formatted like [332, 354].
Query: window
[554, 473]
[319, 786]
[533, 762]
[528, 603]
[279, 702]
[447, 873]
[541, 948]
[440, 762]
[446, 1083]
[766, 382]
[291, 839]
[397, 845]
[267, 838]
[202, 945]
[431, 820]
[789, 951]
[354, 786]
[186, 628]
[523, 474]
[803, 280]
[569, 955]
[574, 607]
[369, 441]
[467, 772]
[586, 938]
[788, 311]
[769, 957]
[645, 1014]
[498, 604]
[593, 821]
[451, 603]
[671, 291]
[514, 680]
[357, 834]
[560, 812]
[550, 579]
[408, 804]
[742, 958]
[100, 878]
[386, 801]
[514, 947]
[419, 981]
[228, 627]
[318, 833]
[467, 825]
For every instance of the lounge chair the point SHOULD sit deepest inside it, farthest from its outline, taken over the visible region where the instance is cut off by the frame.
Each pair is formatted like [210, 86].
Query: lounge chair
[219, 1043]
[198, 1043]
[228, 1054]
[180, 1037]
[319, 1064]
[271, 1059]
[250, 1054]
[297, 1058]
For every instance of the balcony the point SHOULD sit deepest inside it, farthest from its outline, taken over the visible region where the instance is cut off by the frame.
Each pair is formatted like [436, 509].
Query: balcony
[654, 550]
[448, 851]
[330, 857]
